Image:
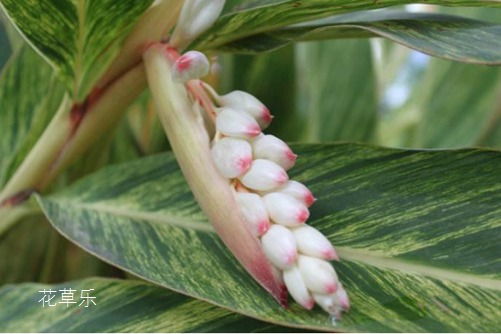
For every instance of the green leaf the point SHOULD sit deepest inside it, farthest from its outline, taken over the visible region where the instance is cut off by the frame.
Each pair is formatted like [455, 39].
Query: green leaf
[121, 306]
[29, 97]
[418, 233]
[79, 38]
[458, 103]
[446, 36]
[269, 15]
[336, 95]
[4, 44]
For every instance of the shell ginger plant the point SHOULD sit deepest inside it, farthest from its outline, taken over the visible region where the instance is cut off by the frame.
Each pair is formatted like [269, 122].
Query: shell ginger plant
[226, 220]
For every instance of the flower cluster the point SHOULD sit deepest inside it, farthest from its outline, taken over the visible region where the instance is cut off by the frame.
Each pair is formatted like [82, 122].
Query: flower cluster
[274, 207]
[255, 165]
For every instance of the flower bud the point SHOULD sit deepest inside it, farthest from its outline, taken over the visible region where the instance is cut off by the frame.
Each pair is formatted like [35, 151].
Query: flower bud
[299, 191]
[234, 123]
[264, 175]
[246, 102]
[254, 211]
[285, 209]
[333, 303]
[313, 243]
[191, 65]
[296, 287]
[279, 246]
[318, 275]
[271, 148]
[232, 156]
[196, 17]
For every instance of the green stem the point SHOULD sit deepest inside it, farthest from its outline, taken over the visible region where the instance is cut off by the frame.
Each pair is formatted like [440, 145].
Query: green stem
[153, 25]
[38, 161]
[63, 141]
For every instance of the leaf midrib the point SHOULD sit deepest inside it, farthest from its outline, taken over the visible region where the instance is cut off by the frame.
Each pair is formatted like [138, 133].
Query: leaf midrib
[376, 259]
[367, 257]
[155, 217]
[80, 41]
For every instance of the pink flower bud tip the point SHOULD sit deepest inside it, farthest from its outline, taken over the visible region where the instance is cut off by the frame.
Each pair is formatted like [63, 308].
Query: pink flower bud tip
[291, 156]
[331, 287]
[264, 175]
[285, 209]
[232, 156]
[253, 131]
[274, 149]
[254, 212]
[309, 304]
[303, 216]
[279, 246]
[263, 227]
[318, 275]
[330, 254]
[191, 65]
[298, 290]
[233, 123]
[312, 242]
[244, 102]
[309, 199]
[265, 117]
[333, 303]
[244, 164]
[299, 191]
[344, 301]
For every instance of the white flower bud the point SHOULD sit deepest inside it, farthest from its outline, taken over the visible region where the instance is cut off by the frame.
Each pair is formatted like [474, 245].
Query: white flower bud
[264, 175]
[191, 65]
[299, 191]
[313, 243]
[196, 17]
[333, 303]
[271, 148]
[232, 156]
[285, 209]
[318, 275]
[296, 287]
[234, 123]
[246, 102]
[279, 246]
[254, 211]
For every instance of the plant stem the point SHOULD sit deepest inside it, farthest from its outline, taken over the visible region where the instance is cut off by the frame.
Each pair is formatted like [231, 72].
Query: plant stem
[153, 25]
[72, 131]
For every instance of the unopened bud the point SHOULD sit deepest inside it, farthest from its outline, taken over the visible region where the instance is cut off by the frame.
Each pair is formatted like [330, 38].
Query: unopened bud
[279, 246]
[333, 303]
[264, 175]
[272, 148]
[232, 157]
[313, 243]
[196, 17]
[296, 287]
[318, 275]
[191, 65]
[246, 102]
[299, 191]
[254, 211]
[234, 123]
[285, 209]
